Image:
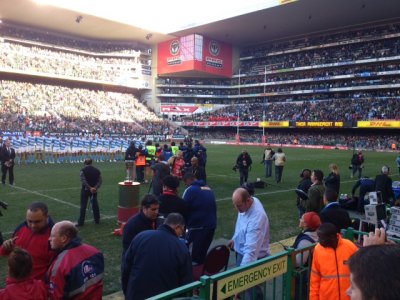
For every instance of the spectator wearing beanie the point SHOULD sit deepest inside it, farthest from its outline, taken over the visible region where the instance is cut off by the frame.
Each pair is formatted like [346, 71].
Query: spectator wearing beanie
[309, 223]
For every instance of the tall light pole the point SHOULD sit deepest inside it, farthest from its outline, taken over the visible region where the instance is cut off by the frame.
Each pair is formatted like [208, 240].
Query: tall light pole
[238, 114]
[263, 140]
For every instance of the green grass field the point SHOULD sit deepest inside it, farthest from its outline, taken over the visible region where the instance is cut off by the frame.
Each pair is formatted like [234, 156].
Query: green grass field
[59, 186]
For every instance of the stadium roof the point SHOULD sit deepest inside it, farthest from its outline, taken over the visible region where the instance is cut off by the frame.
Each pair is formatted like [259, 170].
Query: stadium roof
[252, 23]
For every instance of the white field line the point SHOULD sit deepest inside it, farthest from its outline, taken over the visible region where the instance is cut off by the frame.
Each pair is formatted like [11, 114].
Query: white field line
[51, 198]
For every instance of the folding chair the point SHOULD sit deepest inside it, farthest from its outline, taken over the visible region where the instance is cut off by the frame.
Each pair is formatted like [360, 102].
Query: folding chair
[217, 260]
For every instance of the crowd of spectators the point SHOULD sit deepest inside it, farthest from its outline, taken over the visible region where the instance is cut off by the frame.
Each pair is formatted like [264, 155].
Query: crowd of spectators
[347, 139]
[56, 62]
[49, 108]
[344, 36]
[332, 110]
[45, 37]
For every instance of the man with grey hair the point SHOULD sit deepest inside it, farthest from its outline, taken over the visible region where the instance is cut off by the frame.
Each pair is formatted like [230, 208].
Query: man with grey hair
[157, 261]
[77, 271]
[383, 184]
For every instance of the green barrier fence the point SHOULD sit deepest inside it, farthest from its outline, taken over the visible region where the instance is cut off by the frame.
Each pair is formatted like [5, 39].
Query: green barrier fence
[273, 277]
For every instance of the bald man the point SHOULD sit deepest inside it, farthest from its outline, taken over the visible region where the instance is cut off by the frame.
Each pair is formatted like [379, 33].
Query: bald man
[77, 271]
[251, 237]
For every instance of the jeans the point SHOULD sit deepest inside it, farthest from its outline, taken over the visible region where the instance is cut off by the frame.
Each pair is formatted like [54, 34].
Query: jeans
[278, 173]
[257, 290]
[244, 174]
[268, 167]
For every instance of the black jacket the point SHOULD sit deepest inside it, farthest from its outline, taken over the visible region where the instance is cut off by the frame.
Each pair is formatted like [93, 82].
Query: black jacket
[332, 181]
[336, 215]
[157, 261]
[383, 183]
[6, 156]
[134, 226]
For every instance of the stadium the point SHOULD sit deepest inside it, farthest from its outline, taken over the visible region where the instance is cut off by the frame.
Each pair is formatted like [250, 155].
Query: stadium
[318, 79]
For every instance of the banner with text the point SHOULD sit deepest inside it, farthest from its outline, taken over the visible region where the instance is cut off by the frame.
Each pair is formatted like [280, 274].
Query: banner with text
[379, 124]
[194, 53]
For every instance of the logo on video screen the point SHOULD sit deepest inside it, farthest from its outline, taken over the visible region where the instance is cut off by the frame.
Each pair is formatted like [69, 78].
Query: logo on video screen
[214, 48]
[174, 47]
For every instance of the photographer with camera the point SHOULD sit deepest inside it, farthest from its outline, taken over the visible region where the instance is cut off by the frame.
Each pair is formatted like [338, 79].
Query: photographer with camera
[357, 161]
[243, 163]
[7, 155]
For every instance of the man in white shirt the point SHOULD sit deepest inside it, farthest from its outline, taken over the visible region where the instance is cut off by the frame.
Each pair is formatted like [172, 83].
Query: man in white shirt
[251, 237]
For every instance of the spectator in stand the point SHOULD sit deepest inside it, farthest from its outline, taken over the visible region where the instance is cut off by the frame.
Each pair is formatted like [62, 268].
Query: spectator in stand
[332, 181]
[383, 184]
[33, 236]
[330, 275]
[77, 272]
[144, 220]
[243, 163]
[201, 216]
[169, 200]
[366, 185]
[157, 261]
[280, 160]
[333, 213]
[316, 192]
[20, 284]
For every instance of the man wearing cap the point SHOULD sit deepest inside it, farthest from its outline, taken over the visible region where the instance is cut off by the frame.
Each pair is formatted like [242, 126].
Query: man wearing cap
[383, 184]
[169, 200]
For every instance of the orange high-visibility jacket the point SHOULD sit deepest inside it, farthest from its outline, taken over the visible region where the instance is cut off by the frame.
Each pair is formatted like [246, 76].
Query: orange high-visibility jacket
[330, 275]
[140, 160]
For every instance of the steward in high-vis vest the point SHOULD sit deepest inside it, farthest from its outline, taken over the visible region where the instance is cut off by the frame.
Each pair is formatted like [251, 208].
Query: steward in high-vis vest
[174, 148]
[330, 274]
[150, 157]
[140, 164]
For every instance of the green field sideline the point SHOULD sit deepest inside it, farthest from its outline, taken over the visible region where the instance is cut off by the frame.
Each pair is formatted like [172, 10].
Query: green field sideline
[58, 185]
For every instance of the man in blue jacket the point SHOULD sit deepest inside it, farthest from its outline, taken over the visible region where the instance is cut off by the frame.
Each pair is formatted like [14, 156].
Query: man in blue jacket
[201, 218]
[157, 261]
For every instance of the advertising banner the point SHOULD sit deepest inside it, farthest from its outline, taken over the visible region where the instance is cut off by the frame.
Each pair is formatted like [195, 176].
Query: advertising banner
[276, 124]
[194, 53]
[319, 124]
[378, 124]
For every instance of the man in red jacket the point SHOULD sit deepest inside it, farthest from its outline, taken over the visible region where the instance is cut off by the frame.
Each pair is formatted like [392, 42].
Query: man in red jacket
[33, 236]
[77, 272]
